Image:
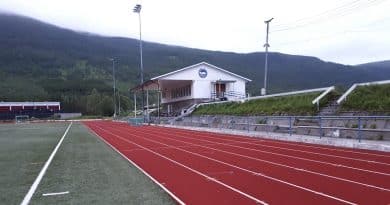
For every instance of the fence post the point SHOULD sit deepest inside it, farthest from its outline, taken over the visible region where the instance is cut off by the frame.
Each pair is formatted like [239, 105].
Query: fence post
[320, 124]
[359, 129]
[247, 122]
[290, 123]
[231, 123]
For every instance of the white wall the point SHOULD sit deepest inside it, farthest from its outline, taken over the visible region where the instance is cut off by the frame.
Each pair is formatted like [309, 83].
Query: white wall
[192, 74]
[202, 87]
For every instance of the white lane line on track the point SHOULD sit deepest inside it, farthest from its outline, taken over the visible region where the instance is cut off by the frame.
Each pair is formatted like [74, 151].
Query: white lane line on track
[295, 150]
[221, 173]
[246, 170]
[186, 167]
[332, 149]
[322, 154]
[56, 193]
[328, 155]
[34, 186]
[281, 165]
[161, 185]
[289, 156]
[259, 139]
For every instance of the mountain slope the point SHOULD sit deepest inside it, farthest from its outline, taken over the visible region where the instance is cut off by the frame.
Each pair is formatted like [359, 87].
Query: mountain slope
[379, 64]
[61, 61]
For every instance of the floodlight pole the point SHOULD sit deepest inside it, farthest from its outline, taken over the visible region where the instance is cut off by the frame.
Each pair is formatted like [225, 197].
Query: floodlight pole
[119, 103]
[137, 9]
[135, 105]
[266, 45]
[114, 83]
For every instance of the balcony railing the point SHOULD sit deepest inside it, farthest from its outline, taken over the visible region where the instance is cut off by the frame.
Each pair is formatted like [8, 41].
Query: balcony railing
[228, 94]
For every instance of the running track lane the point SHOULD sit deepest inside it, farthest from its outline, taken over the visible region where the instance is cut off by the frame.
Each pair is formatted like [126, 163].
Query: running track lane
[314, 182]
[380, 164]
[357, 174]
[178, 179]
[247, 175]
[246, 184]
[367, 154]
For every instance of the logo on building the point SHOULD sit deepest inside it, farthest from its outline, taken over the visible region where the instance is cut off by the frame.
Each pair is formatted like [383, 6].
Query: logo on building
[202, 73]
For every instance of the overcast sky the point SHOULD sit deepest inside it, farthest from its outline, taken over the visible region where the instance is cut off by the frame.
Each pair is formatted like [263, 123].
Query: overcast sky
[343, 31]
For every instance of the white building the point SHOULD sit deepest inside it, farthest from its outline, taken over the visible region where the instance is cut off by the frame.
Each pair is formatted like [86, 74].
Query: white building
[194, 84]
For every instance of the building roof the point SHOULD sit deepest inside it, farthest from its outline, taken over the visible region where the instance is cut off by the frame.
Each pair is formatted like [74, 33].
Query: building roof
[29, 103]
[148, 83]
[153, 83]
[198, 64]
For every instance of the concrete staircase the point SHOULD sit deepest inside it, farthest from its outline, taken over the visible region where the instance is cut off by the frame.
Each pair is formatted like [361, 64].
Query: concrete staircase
[330, 109]
[185, 112]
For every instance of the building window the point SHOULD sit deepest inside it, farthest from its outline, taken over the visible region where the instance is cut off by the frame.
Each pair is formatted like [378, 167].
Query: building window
[181, 92]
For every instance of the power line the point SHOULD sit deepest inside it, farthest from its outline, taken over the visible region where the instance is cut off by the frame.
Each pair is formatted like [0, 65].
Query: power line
[349, 31]
[328, 15]
[317, 15]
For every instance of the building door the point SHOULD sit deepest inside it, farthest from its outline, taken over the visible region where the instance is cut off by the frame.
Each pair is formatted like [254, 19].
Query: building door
[220, 89]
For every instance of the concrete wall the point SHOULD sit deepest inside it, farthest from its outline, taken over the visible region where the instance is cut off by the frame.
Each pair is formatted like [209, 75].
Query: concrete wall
[66, 116]
[329, 128]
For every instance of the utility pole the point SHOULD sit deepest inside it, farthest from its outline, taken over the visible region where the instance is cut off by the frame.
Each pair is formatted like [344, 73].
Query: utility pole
[119, 103]
[114, 83]
[137, 9]
[266, 45]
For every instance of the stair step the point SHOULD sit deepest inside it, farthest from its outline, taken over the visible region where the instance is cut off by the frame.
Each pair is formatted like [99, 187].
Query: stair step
[330, 109]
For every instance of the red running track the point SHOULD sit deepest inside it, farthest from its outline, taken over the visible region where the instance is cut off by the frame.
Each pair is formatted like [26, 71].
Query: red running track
[209, 168]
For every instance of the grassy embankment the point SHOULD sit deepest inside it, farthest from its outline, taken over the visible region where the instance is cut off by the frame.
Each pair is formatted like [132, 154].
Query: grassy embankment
[287, 105]
[375, 98]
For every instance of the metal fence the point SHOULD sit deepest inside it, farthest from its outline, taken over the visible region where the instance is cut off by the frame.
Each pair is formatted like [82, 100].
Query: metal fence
[356, 127]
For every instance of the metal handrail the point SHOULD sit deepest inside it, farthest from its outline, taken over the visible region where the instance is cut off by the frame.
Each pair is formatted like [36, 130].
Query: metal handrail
[228, 94]
[353, 87]
[317, 100]
[288, 93]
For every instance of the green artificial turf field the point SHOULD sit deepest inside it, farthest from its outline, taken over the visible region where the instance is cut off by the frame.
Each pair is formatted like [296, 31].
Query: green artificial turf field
[84, 166]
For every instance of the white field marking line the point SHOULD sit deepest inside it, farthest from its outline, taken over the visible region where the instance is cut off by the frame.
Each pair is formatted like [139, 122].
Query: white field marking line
[295, 150]
[218, 135]
[35, 163]
[192, 170]
[252, 172]
[284, 155]
[34, 186]
[178, 200]
[56, 193]
[281, 165]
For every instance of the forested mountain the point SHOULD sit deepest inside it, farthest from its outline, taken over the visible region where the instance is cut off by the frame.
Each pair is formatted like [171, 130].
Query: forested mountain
[379, 64]
[39, 61]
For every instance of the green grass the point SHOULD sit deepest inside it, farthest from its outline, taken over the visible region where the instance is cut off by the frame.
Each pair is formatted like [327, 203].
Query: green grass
[84, 165]
[24, 148]
[288, 105]
[375, 98]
